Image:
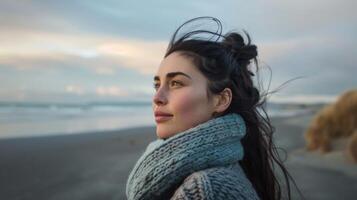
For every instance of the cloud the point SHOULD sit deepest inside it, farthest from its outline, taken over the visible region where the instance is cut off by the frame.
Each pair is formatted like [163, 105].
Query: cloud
[75, 89]
[326, 61]
[142, 56]
[105, 71]
[102, 54]
[290, 19]
[310, 48]
[111, 91]
[116, 42]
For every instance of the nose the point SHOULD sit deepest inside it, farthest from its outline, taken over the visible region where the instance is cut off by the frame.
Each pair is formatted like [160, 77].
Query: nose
[160, 97]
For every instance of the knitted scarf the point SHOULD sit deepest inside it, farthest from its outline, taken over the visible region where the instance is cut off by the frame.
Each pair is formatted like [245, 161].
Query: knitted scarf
[166, 163]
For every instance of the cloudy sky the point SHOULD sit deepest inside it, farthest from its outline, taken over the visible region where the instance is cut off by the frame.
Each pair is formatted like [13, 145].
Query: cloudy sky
[88, 50]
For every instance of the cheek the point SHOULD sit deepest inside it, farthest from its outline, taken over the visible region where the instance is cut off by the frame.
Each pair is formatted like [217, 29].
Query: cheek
[191, 108]
[185, 105]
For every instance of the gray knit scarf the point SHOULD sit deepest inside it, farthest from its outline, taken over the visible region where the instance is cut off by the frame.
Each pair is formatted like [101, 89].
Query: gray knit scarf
[166, 163]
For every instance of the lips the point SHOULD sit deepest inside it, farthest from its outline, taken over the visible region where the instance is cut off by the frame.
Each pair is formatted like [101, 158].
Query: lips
[162, 116]
[159, 119]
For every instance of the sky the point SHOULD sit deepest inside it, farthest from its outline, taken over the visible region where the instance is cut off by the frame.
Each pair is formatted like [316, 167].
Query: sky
[109, 50]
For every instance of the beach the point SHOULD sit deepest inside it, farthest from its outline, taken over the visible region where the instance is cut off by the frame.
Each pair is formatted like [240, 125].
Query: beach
[96, 165]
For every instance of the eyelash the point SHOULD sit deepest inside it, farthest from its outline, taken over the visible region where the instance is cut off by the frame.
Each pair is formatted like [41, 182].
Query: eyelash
[156, 85]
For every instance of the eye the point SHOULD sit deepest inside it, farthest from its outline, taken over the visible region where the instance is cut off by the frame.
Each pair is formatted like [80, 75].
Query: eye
[156, 86]
[175, 83]
[172, 84]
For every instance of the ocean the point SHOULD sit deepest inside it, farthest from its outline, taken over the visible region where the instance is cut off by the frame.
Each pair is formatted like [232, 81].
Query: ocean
[38, 119]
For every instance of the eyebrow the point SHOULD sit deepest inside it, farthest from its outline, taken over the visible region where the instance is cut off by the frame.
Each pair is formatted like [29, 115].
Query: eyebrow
[171, 75]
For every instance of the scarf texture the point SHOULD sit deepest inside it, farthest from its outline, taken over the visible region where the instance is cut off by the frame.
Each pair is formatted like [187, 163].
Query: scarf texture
[166, 163]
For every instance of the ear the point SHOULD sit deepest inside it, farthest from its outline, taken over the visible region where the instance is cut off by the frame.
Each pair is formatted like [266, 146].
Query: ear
[223, 100]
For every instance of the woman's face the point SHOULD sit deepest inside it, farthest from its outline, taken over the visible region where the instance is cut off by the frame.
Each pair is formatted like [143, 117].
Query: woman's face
[181, 93]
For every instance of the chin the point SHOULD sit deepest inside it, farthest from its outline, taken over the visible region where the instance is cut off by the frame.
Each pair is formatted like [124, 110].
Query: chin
[162, 134]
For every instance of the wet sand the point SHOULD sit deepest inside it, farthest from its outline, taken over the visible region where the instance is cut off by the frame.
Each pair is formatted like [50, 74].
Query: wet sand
[96, 165]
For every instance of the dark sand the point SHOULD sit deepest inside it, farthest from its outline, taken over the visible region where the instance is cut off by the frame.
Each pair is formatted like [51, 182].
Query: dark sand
[96, 165]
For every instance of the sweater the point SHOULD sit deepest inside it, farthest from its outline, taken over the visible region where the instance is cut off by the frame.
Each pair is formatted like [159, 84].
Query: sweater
[199, 163]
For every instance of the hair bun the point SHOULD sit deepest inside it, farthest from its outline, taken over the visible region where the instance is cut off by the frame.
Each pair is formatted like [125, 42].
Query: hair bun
[234, 42]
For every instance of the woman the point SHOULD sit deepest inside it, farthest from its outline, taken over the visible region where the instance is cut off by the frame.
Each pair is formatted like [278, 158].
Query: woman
[212, 141]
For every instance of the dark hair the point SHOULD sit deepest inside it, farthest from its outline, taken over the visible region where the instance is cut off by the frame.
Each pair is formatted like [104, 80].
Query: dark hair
[224, 60]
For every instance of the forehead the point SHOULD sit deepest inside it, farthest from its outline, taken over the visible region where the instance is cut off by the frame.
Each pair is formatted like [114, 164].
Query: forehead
[175, 62]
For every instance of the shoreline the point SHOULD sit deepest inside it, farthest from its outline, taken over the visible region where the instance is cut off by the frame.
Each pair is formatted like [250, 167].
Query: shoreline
[30, 125]
[95, 165]
[93, 133]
